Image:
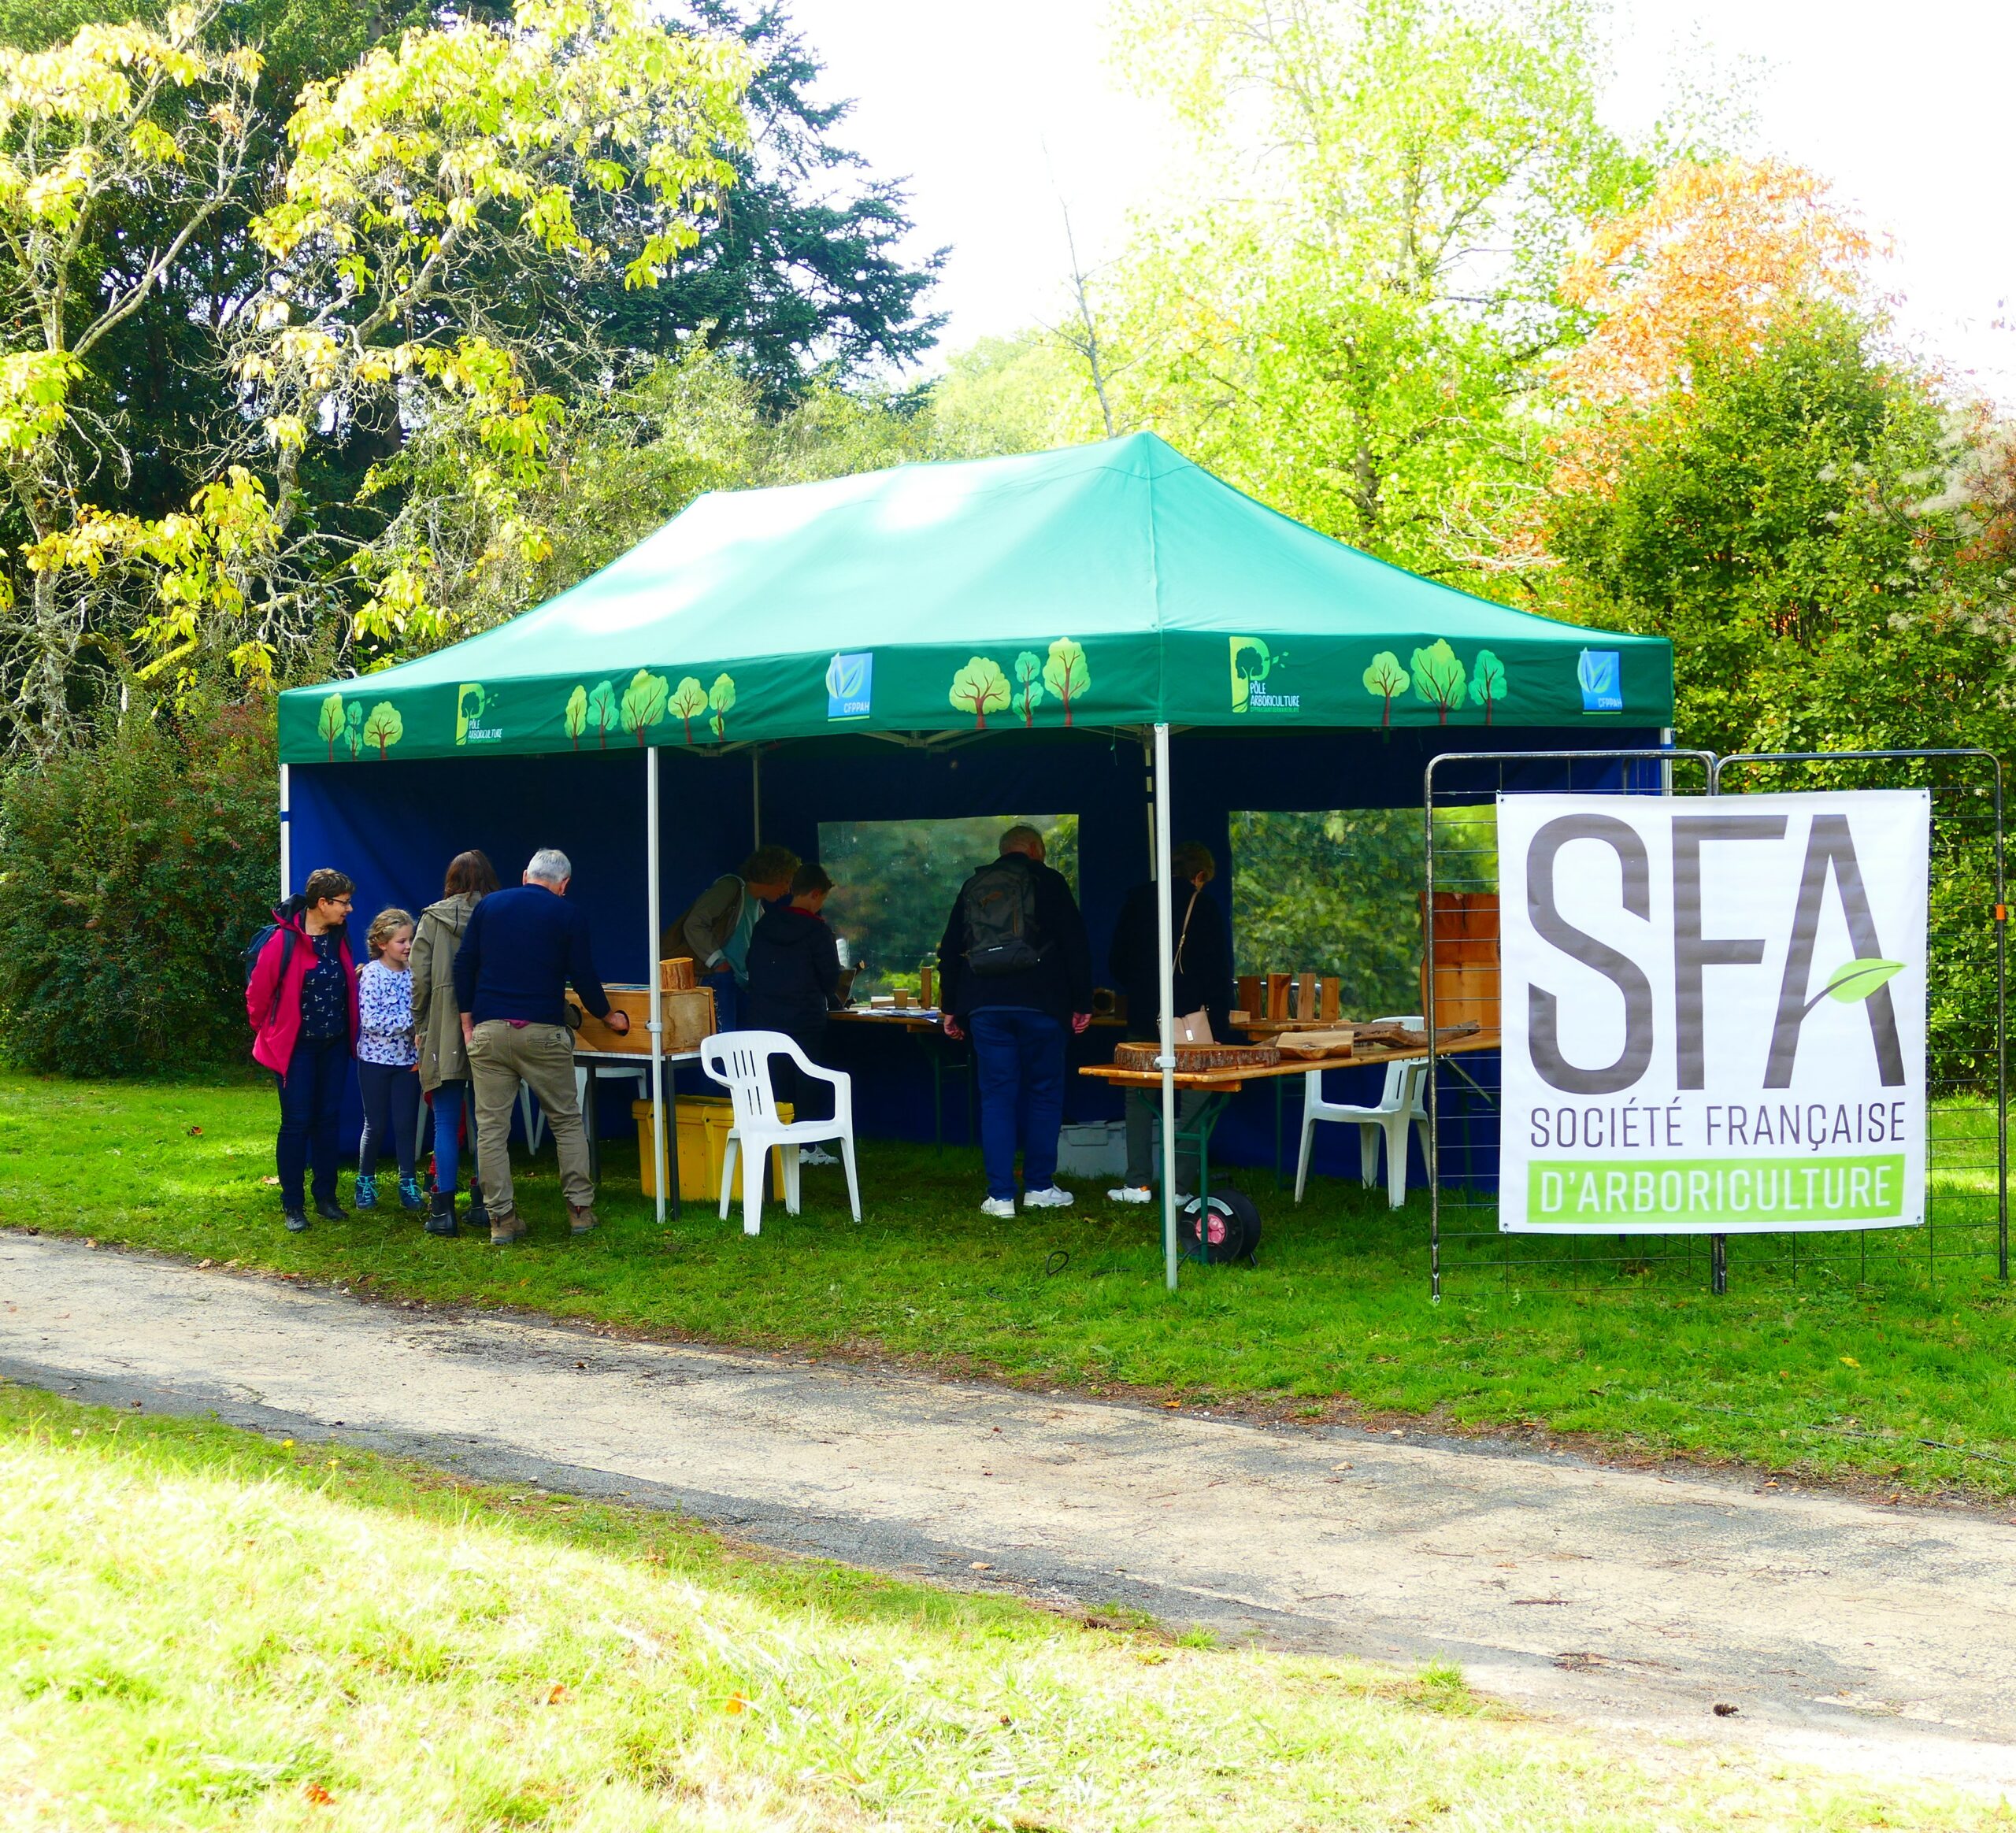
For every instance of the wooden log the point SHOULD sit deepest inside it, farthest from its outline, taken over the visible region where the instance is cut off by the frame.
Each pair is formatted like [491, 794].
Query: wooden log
[1339, 1042]
[676, 976]
[1251, 996]
[1328, 1008]
[1190, 1058]
[1305, 996]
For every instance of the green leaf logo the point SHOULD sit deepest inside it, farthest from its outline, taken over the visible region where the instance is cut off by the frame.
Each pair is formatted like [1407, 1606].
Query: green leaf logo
[1854, 983]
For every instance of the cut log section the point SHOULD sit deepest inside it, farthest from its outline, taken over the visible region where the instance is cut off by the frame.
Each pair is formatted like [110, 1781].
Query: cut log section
[1191, 1058]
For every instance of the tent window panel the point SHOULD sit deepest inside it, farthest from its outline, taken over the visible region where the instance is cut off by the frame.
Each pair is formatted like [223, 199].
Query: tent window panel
[894, 882]
[1338, 891]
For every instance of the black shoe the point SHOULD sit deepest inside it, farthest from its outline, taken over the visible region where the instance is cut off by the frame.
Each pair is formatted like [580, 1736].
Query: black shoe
[441, 1214]
[296, 1220]
[329, 1209]
[479, 1213]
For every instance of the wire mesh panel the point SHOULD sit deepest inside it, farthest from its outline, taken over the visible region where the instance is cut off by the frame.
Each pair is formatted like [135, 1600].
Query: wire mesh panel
[1966, 1229]
[1460, 988]
[1965, 1233]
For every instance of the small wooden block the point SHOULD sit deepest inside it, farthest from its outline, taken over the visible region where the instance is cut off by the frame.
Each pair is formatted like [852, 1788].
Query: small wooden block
[1251, 998]
[1328, 988]
[1277, 994]
[676, 976]
[1305, 997]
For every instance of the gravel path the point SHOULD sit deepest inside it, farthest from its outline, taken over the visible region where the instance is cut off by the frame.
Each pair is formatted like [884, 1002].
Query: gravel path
[1881, 1640]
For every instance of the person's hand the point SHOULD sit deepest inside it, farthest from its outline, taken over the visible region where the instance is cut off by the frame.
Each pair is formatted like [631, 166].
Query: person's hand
[952, 1029]
[618, 1021]
[1079, 1021]
[468, 1030]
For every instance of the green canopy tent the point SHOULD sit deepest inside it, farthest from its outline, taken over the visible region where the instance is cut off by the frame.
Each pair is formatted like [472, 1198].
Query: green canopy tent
[1102, 587]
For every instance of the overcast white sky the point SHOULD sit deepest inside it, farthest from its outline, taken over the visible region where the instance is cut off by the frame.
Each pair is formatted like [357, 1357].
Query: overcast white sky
[992, 109]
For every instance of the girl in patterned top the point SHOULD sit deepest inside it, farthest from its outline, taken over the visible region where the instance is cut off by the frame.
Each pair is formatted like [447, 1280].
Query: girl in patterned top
[387, 1057]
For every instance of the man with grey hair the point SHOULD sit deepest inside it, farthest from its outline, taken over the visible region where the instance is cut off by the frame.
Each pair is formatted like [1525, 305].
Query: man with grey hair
[519, 950]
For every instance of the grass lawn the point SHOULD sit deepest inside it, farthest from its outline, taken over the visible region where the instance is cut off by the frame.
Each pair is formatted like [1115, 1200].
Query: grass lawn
[202, 1628]
[1823, 1377]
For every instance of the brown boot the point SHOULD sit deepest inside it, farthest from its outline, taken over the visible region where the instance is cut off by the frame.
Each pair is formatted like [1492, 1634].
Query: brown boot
[506, 1228]
[582, 1219]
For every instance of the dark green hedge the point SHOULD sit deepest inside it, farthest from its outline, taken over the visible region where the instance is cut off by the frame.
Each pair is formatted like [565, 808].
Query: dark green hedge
[131, 877]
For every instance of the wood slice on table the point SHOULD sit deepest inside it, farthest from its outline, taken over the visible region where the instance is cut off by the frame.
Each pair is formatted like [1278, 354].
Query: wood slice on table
[1191, 1058]
[1337, 1042]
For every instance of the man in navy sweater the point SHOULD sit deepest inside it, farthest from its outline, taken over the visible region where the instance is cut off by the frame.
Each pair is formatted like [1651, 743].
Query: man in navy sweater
[519, 950]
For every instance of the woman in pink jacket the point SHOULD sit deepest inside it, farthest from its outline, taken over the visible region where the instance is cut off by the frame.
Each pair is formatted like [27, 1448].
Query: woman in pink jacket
[302, 999]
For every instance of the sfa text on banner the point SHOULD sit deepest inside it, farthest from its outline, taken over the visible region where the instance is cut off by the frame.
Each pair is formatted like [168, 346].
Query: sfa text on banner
[1714, 1013]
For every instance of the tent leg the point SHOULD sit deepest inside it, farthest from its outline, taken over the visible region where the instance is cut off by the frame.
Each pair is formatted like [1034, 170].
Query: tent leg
[286, 836]
[651, 968]
[756, 795]
[1166, 1001]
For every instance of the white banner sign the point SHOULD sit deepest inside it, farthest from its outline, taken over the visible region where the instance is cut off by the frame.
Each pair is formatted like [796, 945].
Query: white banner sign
[1713, 1011]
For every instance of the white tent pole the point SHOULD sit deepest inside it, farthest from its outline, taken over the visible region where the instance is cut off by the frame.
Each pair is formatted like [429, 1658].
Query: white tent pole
[286, 835]
[651, 964]
[756, 792]
[1166, 998]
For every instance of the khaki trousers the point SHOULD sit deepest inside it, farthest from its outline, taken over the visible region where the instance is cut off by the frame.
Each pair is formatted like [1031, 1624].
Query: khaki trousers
[542, 1057]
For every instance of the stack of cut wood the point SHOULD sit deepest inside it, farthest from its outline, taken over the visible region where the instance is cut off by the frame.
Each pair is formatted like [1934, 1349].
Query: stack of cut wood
[1305, 999]
[1466, 964]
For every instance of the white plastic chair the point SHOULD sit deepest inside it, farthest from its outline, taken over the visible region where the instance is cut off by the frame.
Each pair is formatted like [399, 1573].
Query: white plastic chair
[1400, 1106]
[740, 1061]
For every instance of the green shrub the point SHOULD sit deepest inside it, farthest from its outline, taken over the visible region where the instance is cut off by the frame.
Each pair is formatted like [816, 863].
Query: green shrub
[131, 877]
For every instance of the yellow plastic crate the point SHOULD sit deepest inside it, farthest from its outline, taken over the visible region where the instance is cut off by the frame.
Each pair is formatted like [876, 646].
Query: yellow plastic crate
[700, 1138]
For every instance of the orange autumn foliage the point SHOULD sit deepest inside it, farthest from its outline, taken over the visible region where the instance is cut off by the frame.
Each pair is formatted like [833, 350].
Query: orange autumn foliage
[1716, 257]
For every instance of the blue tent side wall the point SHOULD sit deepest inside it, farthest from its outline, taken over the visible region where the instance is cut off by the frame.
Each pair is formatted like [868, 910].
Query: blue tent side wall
[394, 826]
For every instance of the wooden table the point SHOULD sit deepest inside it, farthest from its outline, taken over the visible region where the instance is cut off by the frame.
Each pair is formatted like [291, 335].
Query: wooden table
[926, 1023]
[590, 1067]
[1222, 1085]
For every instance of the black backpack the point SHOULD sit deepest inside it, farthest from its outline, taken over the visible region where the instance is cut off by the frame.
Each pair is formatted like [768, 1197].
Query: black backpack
[257, 946]
[1227, 1229]
[999, 905]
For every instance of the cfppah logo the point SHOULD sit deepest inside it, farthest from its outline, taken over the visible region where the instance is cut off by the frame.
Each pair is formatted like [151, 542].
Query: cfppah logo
[1830, 858]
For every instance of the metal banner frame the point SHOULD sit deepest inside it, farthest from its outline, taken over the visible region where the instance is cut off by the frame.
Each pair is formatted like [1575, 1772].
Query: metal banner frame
[1968, 845]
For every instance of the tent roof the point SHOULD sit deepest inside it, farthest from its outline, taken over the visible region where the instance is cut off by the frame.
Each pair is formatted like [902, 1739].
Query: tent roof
[1108, 584]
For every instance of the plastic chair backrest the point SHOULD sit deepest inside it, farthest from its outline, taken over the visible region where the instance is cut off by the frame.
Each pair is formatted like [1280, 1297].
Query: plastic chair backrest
[742, 1060]
[1393, 1097]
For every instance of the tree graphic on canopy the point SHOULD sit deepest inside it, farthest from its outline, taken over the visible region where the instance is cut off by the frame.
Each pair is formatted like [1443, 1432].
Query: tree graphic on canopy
[689, 701]
[574, 722]
[981, 688]
[1487, 681]
[603, 709]
[1067, 674]
[1439, 678]
[643, 702]
[384, 727]
[1028, 685]
[354, 729]
[1386, 678]
[720, 697]
[329, 725]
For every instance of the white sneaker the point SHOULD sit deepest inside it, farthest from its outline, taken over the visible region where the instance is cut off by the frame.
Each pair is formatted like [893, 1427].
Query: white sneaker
[815, 1155]
[1052, 1198]
[1131, 1194]
[1002, 1208]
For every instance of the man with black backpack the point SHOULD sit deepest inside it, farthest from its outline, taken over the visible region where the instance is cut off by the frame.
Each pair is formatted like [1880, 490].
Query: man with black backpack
[1015, 969]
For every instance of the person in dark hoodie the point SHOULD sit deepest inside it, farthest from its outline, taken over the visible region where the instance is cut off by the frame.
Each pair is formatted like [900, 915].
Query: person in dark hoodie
[1203, 981]
[793, 967]
[1016, 971]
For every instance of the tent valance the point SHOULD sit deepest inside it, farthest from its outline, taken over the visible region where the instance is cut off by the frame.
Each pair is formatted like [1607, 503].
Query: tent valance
[1103, 585]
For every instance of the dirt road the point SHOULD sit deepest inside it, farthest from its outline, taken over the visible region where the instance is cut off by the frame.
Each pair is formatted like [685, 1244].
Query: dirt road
[1877, 1639]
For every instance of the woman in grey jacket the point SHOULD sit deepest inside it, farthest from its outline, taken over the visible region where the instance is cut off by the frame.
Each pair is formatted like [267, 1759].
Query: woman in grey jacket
[444, 1067]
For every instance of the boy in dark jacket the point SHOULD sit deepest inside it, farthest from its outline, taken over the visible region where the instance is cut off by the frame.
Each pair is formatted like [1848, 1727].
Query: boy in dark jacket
[793, 967]
[1016, 986]
[1203, 981]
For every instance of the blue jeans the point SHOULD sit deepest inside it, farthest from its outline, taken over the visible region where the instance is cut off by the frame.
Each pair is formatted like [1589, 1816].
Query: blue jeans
[450, 1101]
[311, 1110]
[391, 1105]
[1018, 1053]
